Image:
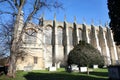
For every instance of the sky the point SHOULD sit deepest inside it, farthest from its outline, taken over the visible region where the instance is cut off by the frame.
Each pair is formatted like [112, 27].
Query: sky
[87, 11]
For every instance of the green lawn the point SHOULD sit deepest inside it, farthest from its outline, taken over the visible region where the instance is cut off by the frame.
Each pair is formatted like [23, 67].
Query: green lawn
[98, 74]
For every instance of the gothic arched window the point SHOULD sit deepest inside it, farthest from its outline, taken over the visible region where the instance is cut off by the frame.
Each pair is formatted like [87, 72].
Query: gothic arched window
[70, 33]
[48, 35]
[97, 33]
[60, 35]
[30, 36]
[89, 35]
[80, 34]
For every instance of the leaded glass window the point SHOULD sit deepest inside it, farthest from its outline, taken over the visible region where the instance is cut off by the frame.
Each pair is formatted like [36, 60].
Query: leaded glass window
[70, 33]
[30, 36]
[89, 35]
[60, 35]
[48, 35]
[80, 34]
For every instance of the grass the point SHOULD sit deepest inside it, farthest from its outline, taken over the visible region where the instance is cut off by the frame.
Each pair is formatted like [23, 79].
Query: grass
[97, 74]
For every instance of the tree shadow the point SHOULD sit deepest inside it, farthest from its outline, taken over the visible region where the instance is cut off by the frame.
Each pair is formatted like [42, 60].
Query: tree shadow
[60, 76]
[103, 74]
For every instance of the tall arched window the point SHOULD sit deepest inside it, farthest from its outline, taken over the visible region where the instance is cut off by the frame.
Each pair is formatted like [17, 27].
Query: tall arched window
[48, 35]
[89, 35]
[30, 36]
[60, 35]
[97, 33]
[70, 33]
[80, 34]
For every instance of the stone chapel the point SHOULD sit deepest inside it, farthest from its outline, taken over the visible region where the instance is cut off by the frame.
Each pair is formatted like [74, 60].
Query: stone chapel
[49, 43]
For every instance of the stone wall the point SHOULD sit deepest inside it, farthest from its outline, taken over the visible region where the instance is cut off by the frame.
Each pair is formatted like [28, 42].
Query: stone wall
[54, 52]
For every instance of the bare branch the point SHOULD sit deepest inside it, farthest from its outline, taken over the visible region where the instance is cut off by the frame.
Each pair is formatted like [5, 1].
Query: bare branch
[16, 4]
[58, 5]
[2, 1]
[1, 12]
[36, 8]
[5, 37]
[11, 4]
[22, 2]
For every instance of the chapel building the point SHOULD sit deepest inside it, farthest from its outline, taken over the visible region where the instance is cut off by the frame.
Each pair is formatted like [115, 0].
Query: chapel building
[49, 43]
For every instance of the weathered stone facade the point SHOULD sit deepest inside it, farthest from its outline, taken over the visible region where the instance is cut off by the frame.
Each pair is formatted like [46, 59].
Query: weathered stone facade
[51, 42]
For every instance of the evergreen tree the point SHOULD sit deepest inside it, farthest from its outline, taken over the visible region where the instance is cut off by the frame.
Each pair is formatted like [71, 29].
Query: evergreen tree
[114, 15]
[85, 54]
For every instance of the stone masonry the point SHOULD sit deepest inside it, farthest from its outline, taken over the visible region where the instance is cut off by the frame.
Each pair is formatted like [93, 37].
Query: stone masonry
[51, 42]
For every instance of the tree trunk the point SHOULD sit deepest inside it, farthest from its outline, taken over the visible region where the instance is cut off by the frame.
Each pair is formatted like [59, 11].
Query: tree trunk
[12, 66]
[14, 47]
[87, 70]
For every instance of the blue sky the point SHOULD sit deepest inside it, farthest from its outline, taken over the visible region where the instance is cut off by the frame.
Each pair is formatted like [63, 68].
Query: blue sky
[89, 10]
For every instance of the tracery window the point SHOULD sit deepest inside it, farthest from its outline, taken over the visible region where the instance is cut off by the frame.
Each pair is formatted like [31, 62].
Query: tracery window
[70, 33]
[80, 34]
[97, 33]
[48, 35]
[89, 35]
[30, 36]
[60, 35]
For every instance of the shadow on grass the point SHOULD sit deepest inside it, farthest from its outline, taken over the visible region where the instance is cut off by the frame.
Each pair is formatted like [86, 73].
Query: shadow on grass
[103, 74]
[63, 76]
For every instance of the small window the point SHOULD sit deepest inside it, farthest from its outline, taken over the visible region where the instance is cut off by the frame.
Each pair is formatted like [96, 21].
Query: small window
[22, 58]
[35, 60]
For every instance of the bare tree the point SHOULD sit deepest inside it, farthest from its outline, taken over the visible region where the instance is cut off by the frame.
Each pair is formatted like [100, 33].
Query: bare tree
[6, 31]
[17, 7]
